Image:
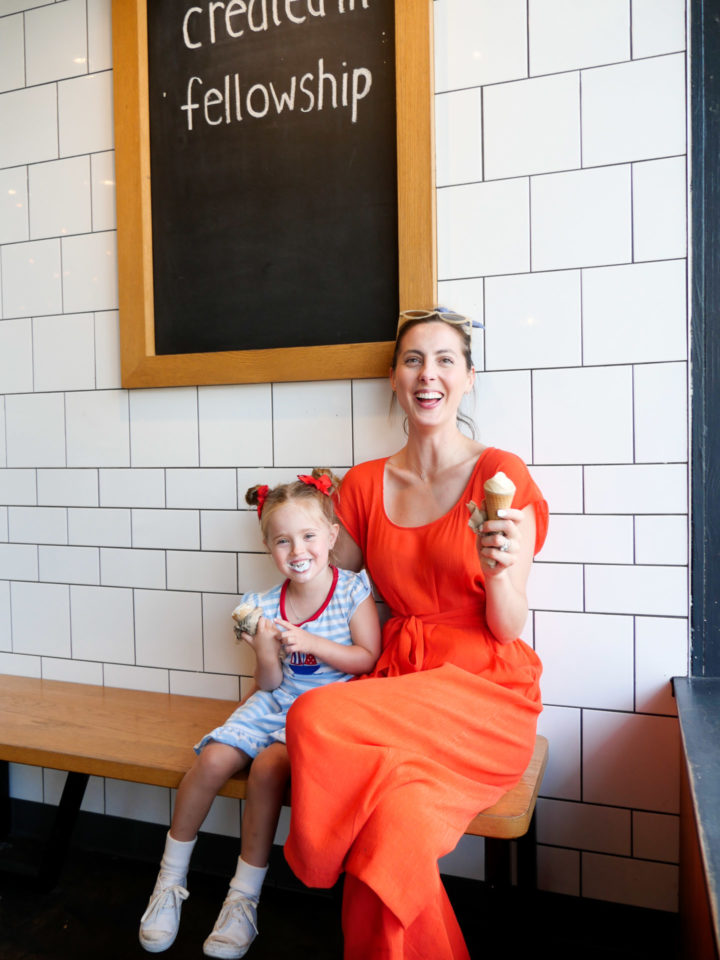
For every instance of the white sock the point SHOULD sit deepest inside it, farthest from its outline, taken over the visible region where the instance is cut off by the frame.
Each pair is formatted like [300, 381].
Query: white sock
[175, 861]
[248, 879]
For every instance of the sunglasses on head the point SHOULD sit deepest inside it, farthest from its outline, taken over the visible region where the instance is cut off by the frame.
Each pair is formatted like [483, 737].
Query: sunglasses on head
[447, 315]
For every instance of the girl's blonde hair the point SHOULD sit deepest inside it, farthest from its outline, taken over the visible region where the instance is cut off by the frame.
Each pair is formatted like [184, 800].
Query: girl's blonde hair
[269, 499]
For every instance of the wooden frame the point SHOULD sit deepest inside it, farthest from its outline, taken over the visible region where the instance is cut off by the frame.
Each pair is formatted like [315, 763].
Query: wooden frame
[141, 366]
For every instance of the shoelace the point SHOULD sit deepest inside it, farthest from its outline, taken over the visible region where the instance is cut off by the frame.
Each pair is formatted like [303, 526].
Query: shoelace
[159, 901]
[227, 914]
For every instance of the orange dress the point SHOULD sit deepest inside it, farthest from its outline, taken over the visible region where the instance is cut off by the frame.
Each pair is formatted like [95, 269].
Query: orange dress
[388, 770]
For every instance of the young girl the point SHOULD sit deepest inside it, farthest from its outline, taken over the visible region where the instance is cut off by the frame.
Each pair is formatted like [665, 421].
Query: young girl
[318, 626]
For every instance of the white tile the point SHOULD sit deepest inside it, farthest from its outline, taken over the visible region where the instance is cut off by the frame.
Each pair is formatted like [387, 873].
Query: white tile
[587, 660]
[193, 570]
[649, 590]
[56, 42]
[377, 423]
[635, 313]
[661, 414]
[327, 405]
[567, 34]
[167, 529]
[658, 26]
[661, 540]
[466, 860]
[31, 278]
[132, 568]
[478, 42]
[562, 487]
[223, 653]
[132, 488]
[28, 119]
[90, 272]
[35, 426]
[102, 622]
[137, 801]
[4, 524]
[467, 297]
[54, 602]
[3, 446]
[533, 321]
[483, 229]
[37, 524]
[5, 628]
[561, 726]
[99, 527]
[256, 572]
[18, 487]
[67, 488]
[14, 225]
[201, 488]
[168, 629]
[64, 352]
[69, 564]
[99, 35]
[638, 883]
[636, 489]
[164, 427]
[584, 826]
[16, 356]
[230, 530]
[20, 665]
[656, 836]
[136, 678]
[532, 126]
[458, 137]
[107, 350]
[634, 111]
[60, 198]
[502, 411]
[589, 539]
[85, 114]
[235, 425]
[18, 561]
[98, 429]
[26, 782]
[556, 586]
[558, 870]
[12, 53]
[196, 684]
[72, 671]
[102, 178]
[660, 209]
[631, 760]
[595, 428]
[662, 652]
[54, 780]
[581, 218]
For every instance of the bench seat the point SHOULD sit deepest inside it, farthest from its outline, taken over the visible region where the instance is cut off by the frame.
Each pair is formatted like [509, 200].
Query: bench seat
[147, 738]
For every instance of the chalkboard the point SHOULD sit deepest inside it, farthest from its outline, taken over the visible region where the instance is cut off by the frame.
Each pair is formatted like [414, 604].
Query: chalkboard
[259, 146]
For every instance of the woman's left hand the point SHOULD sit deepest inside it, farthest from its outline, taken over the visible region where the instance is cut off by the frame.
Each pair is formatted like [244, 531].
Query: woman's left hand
[499, 541]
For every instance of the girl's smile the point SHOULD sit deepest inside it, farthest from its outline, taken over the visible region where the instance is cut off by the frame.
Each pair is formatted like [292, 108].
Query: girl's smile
[300, 540]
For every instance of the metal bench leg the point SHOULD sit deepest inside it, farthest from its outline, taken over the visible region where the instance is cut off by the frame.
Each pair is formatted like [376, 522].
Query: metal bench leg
[527, 858]
[5, 814]
[498, 862]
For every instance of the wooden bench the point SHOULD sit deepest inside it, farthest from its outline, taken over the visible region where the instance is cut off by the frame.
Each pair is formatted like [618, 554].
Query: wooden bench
[147, 738]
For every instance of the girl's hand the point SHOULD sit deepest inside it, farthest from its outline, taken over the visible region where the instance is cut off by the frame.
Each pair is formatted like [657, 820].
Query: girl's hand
[500, 541]
[266, 638]
[292, 638]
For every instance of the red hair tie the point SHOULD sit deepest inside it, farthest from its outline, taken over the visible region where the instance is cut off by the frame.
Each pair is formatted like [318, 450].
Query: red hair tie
[322, 483]
[261, 494]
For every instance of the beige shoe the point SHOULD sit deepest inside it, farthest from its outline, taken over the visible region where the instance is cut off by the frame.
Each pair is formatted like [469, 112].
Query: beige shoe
[235, 928]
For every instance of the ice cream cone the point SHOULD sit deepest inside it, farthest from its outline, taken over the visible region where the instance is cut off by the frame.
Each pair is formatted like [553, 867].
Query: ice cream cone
[246, 618]
[499, 493]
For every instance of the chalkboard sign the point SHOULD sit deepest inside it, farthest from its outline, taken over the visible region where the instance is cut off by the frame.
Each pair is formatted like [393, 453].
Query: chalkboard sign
[268, 173]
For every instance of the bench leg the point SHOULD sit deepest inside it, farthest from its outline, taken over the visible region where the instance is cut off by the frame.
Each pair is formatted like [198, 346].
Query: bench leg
[5, 816]
[527, 858]
[44, 875]
[498, 860]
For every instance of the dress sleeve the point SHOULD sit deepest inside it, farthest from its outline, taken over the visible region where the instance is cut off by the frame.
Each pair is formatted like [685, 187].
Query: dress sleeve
[527, 491]
[352, 503]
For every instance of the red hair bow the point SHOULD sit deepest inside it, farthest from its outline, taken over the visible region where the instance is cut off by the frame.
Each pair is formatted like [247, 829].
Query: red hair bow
[323, 483]
[262, 493]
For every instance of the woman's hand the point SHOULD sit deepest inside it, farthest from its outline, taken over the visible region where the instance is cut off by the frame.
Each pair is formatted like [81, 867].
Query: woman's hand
[499, 542]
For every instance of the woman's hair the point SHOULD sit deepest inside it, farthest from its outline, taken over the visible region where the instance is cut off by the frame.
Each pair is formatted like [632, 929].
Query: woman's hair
[268, 500]
[462, 418]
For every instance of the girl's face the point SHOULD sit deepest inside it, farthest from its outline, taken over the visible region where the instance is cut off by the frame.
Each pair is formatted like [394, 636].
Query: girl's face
[300, 539]
[431, 375]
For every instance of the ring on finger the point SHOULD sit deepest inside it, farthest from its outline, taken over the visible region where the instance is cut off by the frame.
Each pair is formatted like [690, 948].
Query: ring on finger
[505, 547]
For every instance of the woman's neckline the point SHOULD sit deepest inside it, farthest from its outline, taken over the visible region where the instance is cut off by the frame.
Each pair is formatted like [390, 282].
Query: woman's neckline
[461, 499]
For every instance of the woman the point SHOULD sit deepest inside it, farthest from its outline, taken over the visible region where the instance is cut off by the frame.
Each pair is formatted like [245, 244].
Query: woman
[388, 771]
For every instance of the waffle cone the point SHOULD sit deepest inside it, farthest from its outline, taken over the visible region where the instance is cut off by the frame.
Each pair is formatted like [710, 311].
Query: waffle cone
[497, 501]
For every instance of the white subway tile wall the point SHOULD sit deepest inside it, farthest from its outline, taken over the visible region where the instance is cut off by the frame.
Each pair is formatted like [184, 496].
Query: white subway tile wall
[562, 225]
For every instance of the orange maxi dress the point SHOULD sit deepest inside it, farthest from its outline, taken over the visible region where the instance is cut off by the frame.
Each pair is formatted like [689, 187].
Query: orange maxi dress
[388, 770]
